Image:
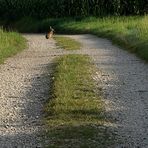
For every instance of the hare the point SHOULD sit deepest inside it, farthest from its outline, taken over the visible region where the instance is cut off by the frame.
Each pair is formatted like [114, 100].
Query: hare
[50, 33]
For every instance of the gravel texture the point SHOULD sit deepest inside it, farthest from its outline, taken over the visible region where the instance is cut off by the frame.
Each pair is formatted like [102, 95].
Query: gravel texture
[25, 87]
[124, 81]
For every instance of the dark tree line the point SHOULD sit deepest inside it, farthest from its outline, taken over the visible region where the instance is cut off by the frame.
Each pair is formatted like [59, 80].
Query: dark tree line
[71, 8]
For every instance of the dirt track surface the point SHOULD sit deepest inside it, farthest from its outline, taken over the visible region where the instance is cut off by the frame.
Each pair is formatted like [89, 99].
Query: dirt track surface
[124, 81]
[24, 87]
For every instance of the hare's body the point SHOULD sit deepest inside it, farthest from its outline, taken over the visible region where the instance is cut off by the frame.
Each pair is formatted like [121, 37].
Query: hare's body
[50, 33]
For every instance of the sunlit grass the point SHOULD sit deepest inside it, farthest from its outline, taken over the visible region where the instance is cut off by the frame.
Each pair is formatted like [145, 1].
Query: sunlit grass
[10, 44]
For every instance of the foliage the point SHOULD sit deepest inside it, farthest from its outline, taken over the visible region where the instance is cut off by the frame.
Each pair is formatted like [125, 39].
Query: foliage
[13, 9]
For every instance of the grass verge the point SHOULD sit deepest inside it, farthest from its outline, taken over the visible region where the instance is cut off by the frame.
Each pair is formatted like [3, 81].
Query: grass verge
[129, 32]
[10, 44]
[67, 43]
[75, 113]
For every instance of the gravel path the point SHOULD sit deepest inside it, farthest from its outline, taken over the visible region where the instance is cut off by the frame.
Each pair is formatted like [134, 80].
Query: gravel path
[24, 87]
[124, 80]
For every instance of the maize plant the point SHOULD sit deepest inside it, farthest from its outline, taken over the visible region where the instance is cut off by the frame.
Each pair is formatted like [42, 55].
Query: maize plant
[13, 9]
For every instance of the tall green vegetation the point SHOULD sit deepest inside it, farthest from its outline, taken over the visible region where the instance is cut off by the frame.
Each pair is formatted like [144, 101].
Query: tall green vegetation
[10, 44]
[60, 8]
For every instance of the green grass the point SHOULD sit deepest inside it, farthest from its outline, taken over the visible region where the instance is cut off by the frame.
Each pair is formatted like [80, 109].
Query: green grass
[67, 43]
[129, 32]
[75, 112]
[10, 44]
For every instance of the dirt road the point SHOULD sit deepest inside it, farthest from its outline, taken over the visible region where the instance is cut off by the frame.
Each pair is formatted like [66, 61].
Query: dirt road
[24, 87]
[124, 80]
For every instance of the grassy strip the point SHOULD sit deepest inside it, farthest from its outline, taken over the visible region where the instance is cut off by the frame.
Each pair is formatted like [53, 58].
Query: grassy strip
[75, 113]
[67, 43]
[10, 44]
[128, 32]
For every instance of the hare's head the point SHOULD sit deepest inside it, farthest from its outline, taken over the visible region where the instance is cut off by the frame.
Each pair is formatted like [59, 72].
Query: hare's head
[51, 29]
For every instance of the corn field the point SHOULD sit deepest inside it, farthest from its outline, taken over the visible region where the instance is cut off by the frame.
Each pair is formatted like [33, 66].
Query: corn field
[13, 9]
